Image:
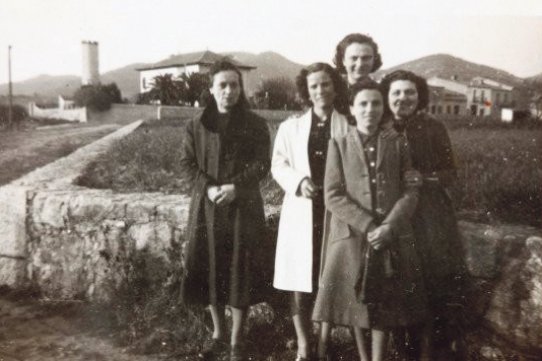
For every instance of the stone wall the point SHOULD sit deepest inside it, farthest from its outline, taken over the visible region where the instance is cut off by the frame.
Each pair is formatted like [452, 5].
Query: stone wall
[78, 240]
[72, 115]
[72, 242]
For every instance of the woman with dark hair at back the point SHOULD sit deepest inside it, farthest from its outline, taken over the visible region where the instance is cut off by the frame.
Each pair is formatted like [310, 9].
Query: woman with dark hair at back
[225, 155]
[298, 165]
[434, 222]
[357, 56]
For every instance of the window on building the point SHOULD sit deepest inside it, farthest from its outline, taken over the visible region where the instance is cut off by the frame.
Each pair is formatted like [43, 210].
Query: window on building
[498, 97]
[505, 96]
[448, 109]
[483, 95]
[474, 95]
[433, 109]
[144, 83]
[439, 110]
[456, 109]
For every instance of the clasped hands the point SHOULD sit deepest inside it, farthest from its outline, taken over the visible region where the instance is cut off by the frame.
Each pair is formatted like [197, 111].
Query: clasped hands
[221, 195]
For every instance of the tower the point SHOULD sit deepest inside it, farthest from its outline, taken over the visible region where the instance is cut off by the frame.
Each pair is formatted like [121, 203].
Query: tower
[90, 74]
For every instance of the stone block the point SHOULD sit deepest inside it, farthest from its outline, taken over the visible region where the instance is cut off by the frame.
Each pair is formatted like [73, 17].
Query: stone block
[143, 235]
[515, 310]
[12, 235]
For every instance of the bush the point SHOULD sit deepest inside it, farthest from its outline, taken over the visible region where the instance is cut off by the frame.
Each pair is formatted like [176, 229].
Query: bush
[18, 114]
[97, 97]
[276, 93]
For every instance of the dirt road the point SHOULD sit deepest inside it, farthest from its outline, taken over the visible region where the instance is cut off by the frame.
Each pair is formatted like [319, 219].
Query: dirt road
[33, 330]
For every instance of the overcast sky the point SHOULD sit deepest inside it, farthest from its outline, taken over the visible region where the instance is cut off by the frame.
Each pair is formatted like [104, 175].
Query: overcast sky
[46, 35]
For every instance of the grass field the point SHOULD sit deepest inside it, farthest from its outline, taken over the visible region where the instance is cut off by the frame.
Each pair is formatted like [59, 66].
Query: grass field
[500, 172]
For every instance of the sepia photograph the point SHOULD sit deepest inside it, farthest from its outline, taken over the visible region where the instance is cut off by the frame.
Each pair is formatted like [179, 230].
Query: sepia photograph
[270, 180]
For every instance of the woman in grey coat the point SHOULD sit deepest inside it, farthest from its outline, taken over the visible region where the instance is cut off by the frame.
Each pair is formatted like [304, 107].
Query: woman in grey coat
[371, 277]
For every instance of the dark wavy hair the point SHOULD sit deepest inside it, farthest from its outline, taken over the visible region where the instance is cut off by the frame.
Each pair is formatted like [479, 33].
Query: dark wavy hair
[421, 87]
[365, 84]
[226, 65]
[351, 39]
[339, 85]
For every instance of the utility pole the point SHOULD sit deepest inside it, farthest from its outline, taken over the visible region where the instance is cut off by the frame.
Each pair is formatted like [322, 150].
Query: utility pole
[10, 94]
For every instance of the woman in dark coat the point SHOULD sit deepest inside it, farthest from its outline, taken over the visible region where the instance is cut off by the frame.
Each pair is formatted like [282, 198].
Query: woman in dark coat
[435, 225]
[226, 153]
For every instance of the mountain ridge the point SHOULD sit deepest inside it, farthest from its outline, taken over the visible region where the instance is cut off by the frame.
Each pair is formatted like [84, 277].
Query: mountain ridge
[272, 64]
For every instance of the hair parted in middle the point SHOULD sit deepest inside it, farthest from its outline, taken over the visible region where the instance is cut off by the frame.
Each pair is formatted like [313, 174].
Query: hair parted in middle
[225, 64]
[339, 85]
[351, 39]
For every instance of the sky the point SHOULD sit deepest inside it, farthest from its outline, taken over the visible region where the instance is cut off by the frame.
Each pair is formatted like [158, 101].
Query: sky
[46, 35]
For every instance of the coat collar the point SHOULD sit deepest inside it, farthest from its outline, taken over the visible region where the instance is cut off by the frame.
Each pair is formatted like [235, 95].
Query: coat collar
[385, 136]
[339, 123]
[236, 125]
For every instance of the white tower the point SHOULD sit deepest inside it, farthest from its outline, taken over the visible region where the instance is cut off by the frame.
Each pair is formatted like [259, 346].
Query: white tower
[91, 73]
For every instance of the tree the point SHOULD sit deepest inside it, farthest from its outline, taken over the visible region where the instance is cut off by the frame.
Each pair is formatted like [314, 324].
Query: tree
[276, 93]
[196, 85]
[97, 97]
[168, 90]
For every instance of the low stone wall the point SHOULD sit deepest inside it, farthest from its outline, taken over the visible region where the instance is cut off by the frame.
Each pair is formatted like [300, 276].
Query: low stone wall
[72, 242]
[79, 240]
[72, 115]
[120, 112]
[16, 205]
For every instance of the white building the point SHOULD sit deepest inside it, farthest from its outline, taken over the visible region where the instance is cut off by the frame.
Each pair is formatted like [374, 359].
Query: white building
[199, 62]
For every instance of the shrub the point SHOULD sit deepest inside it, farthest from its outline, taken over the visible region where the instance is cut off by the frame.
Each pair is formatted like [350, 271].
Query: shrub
[18, 114]
[97, 97]
[276, 93]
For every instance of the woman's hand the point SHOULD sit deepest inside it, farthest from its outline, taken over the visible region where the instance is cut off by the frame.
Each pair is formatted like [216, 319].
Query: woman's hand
[380, 237]
[413, 178]
[307, 188]
[226, 194]
[212, 193]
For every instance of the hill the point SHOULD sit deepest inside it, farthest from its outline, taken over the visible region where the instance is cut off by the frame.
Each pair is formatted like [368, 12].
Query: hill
[446, 66]
[269, 64]
[272, 65]
[127, 79]
[45, 85]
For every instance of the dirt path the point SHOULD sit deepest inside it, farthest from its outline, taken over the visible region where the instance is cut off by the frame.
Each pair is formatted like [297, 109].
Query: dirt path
[23, 151]
[34, 330]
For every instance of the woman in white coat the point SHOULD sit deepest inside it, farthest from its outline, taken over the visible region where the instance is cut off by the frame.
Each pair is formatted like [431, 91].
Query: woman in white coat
[298, 166]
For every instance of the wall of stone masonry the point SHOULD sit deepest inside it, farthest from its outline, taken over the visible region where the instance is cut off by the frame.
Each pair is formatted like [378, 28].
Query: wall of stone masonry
[75, 243]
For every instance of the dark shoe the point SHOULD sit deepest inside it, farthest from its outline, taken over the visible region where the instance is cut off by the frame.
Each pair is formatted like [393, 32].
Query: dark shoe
[211, 349]
[237, 353]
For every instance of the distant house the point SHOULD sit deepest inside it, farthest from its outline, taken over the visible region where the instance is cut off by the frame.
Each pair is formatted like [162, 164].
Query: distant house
[489, 97]
[64, 103]
[198, 62]
[445, 101]
[484, 97]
